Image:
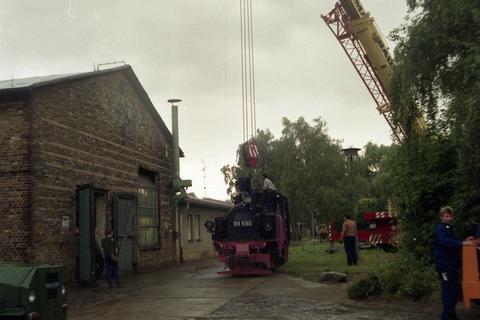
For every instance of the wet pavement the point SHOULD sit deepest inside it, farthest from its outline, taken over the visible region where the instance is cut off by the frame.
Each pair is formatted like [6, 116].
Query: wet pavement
[194, 291]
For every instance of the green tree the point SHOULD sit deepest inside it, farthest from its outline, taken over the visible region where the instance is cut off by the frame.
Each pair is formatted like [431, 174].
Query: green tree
[308, 166]
[374, 184]
[437, 70]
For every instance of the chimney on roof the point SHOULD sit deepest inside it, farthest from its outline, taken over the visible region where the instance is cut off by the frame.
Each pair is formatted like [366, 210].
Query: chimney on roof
[97, 68]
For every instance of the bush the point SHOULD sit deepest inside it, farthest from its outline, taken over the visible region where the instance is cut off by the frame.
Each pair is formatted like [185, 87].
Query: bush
[390, 277]
[409, 277]
[419, 283]
[405, 276]
[364, 287]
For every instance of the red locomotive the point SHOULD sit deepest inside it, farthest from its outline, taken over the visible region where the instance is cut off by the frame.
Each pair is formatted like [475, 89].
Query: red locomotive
[253, 237]
[381, 230]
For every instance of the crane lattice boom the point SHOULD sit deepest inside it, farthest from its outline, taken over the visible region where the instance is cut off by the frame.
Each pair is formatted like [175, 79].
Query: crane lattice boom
[366, 48]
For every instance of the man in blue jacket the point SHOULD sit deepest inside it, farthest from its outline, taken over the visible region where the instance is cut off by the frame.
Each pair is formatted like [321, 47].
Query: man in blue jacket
[447, 249]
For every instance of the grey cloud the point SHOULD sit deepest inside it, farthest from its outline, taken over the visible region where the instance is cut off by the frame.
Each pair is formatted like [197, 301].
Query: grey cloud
[190, 49]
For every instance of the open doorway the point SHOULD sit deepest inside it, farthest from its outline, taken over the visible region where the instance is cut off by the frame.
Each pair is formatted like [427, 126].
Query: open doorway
[91, 224]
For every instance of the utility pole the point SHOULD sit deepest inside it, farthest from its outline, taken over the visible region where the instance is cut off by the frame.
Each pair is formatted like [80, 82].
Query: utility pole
[178, 185]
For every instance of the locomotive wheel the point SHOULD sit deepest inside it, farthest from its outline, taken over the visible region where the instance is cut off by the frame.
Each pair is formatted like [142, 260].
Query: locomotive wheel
[273, 262]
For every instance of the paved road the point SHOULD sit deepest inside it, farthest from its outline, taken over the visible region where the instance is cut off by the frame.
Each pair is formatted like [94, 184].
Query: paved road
[194, 291]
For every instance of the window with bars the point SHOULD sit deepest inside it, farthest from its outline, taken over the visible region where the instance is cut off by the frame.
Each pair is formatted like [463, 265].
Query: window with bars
[147, 211]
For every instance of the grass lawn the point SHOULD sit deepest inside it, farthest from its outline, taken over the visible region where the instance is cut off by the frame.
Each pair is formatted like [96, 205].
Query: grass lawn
[309, 260]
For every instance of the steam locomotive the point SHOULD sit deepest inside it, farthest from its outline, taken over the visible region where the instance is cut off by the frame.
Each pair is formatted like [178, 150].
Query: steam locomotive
[253, 237]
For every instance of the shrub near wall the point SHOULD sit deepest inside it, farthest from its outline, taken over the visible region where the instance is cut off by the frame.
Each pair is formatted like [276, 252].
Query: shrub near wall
[403, 277]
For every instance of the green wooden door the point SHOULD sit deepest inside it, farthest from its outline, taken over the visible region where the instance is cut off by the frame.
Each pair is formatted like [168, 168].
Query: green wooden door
[125, 212]
[86, 220]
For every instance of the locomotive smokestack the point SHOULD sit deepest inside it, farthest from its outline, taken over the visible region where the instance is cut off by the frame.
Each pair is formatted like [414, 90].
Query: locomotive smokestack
[244, 184]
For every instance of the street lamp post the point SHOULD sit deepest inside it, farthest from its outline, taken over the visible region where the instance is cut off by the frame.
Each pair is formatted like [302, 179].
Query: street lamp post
[350, 153]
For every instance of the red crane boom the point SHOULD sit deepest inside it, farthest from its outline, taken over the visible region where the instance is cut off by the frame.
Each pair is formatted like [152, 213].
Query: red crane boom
[363, 43]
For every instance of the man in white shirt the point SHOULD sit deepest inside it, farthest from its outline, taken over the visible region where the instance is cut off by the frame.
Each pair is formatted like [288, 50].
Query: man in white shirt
[268, 184]
[269, 192]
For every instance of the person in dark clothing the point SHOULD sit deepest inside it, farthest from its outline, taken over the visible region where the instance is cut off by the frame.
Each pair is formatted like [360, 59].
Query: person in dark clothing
[447, 249]
[349, 237]
[99, 258]
[111, 251]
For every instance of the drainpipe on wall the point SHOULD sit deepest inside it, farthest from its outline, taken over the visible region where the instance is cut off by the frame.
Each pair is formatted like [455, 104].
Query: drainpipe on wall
[178, 185]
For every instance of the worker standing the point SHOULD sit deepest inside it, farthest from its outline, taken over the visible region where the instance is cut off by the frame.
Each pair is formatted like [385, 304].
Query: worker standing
[447, 249]
[269, 192]
[268, 184]
[349, 237]
[111, 252]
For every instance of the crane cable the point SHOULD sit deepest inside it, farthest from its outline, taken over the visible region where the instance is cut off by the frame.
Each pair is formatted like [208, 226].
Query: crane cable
[249, 121]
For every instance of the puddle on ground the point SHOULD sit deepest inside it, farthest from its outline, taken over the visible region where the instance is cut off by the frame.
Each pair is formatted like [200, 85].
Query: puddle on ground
[308, 284]
[288, 308]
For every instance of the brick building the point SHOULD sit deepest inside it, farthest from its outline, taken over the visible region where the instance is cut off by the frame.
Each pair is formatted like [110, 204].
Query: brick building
[80, 153]
[196, 242]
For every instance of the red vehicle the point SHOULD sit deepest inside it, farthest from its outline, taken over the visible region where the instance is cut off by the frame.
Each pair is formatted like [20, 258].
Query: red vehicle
[381, 230]
[253, 237]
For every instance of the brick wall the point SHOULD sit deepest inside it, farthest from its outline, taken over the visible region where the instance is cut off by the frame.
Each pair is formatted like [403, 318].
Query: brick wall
[92, 131]
[15, 181]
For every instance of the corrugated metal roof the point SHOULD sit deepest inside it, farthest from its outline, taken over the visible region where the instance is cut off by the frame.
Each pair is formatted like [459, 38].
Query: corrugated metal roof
[27, 82]
[13, 84]
[209, 203]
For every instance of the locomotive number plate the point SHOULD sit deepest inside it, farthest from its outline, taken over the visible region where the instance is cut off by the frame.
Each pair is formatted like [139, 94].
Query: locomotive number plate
[242, 223]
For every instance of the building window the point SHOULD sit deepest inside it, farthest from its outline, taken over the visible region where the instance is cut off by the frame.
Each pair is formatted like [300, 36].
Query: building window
[197, 225]
[147, 212]
[190, 227]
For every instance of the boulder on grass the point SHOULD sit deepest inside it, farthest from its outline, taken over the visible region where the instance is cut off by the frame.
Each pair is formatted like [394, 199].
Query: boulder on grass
[333, 276]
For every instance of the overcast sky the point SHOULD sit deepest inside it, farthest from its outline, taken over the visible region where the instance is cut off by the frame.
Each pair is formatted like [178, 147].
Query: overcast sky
[190, 49]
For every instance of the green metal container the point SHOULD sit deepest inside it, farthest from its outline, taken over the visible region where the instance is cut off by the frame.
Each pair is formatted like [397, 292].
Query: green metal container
[32, 292]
